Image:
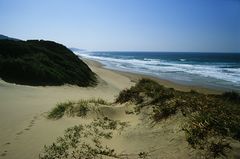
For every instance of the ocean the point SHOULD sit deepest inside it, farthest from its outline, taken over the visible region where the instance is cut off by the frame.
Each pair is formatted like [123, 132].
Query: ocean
[212, 70]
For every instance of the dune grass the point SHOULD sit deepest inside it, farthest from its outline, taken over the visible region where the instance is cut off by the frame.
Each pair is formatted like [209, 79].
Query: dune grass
[79, 108]
[210, 119]
[59, 110]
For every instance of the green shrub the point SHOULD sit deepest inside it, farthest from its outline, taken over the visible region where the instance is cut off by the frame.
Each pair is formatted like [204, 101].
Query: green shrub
[35, 62]
[145, 88]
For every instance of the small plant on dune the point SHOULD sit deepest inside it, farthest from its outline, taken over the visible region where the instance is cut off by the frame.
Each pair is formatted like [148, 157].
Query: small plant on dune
[136, 93]
[196, 132]
[110, 124]
[84, 141]
[129, 95]
[143, 155]
[98, 101]
[79, 108]
[162, 96]
[155, 94]
[149, 87]
[163, 112]
[59, 110]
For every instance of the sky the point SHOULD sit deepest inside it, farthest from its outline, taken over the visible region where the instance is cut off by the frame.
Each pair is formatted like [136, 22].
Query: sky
[126, 25]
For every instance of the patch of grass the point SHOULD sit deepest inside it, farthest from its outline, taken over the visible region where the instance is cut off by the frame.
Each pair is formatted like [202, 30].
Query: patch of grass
[98, 101]
[59, 110]
[79, 108]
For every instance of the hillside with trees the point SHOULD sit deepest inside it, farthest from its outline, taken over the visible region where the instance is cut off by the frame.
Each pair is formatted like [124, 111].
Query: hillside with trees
[41, 63]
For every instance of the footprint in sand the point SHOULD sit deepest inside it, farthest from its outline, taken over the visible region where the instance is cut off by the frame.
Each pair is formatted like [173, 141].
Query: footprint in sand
[4, 153]
[7, 143]
[27, 129]
[19, 133]
[31, 124]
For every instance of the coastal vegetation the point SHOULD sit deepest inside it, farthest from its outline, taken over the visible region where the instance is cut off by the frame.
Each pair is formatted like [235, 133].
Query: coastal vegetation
[85, 141]
[210, 122]
[79, 108]
[41, 63]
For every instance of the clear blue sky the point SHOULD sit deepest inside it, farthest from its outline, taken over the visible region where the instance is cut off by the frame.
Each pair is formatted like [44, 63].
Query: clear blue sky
[143, 25]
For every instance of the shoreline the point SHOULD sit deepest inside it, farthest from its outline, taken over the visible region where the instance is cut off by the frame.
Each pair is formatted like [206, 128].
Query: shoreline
[134, 77]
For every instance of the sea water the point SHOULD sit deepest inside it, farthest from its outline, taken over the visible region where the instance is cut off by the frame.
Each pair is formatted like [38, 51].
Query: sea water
[214, 70]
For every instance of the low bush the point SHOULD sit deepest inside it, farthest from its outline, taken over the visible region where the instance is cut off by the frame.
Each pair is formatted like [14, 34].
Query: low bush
[84, 141]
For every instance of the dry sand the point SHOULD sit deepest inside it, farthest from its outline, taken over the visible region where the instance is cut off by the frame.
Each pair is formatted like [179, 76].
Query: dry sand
[24, 129]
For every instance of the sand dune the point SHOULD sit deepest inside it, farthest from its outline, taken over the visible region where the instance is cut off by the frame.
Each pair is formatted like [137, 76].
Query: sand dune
[25, 128]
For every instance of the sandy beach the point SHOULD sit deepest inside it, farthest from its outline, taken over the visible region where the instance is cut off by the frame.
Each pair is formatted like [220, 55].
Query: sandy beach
[25, 128]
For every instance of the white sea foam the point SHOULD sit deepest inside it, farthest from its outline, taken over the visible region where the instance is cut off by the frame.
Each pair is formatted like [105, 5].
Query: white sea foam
[182, 59]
